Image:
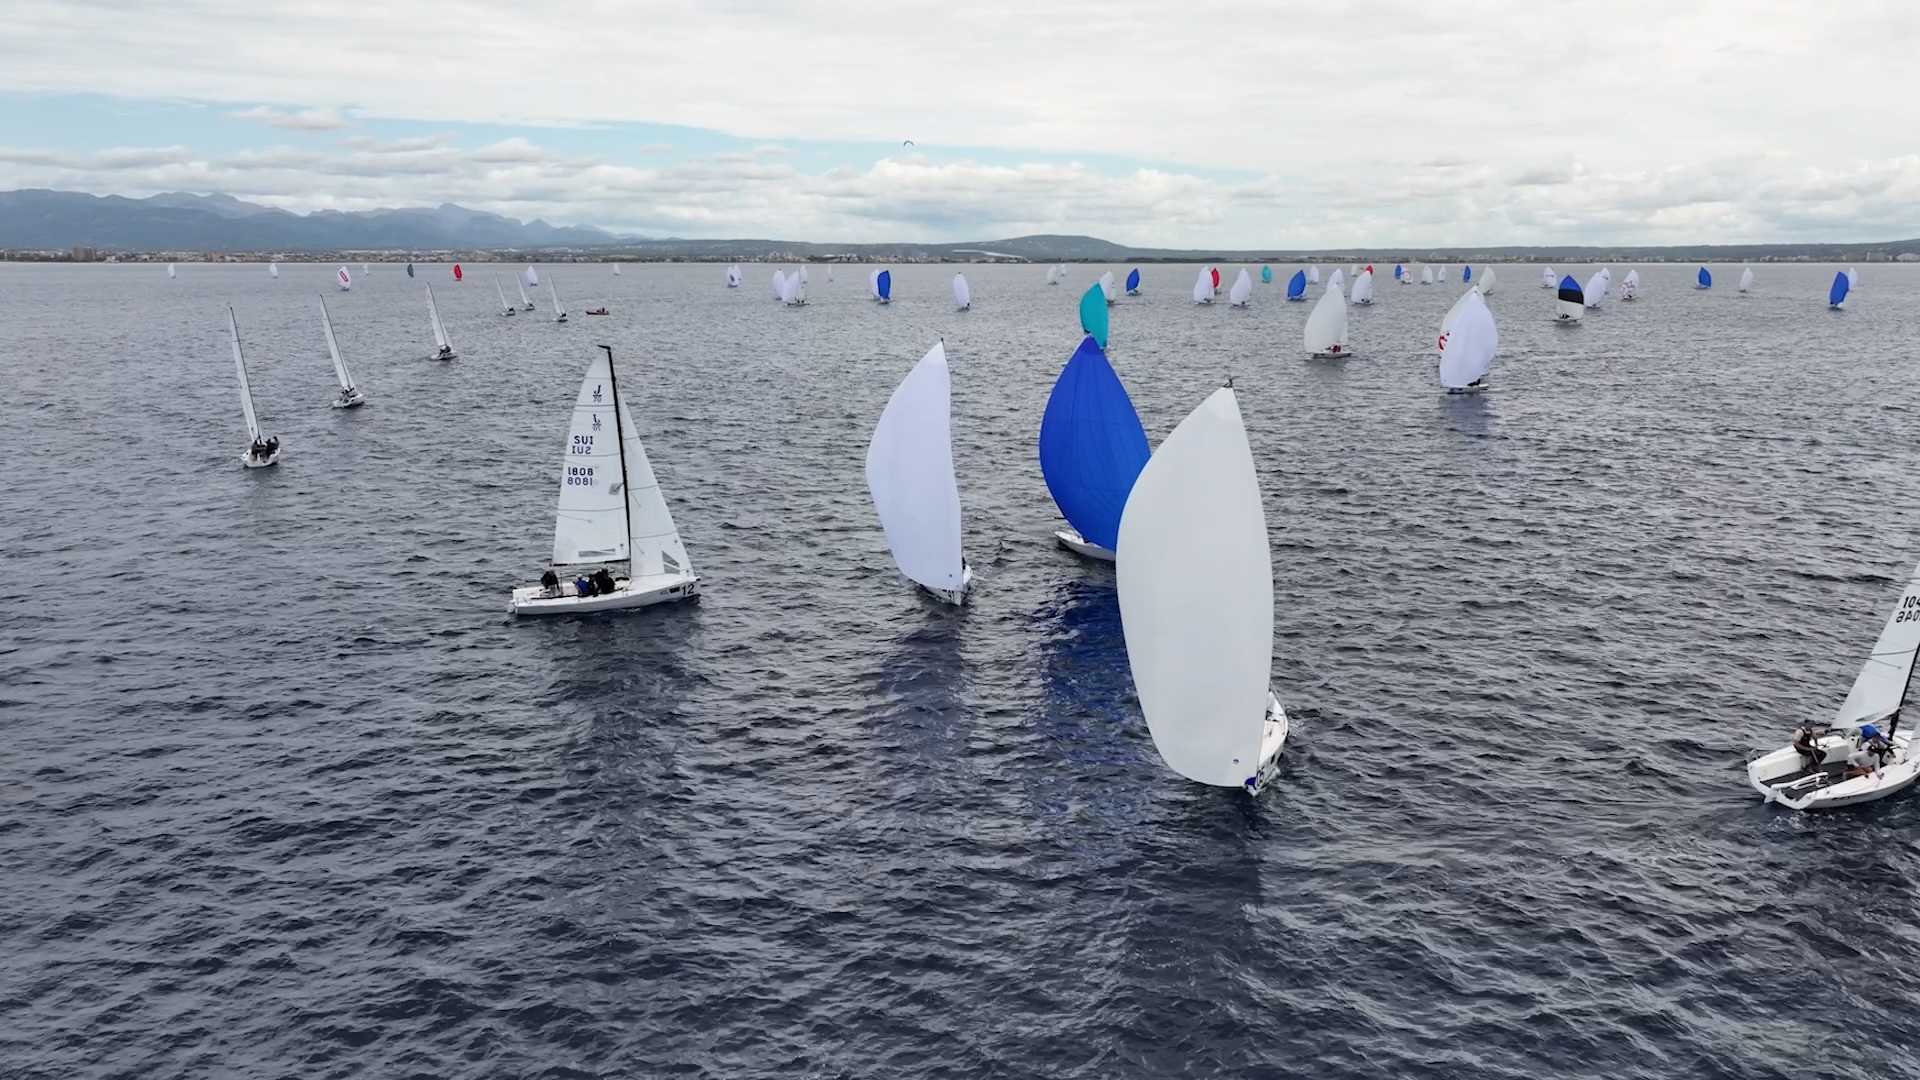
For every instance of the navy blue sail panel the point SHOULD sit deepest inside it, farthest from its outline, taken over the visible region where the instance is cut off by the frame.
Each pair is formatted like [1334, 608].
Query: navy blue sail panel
[1570, 291]
[885, 284]
[1297, 284]
[1092, 446]
[1133, 280]
[1839, 291]
[1705, 279]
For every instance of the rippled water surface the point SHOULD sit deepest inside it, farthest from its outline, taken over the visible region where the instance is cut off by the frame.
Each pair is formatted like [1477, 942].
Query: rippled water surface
[285, 792]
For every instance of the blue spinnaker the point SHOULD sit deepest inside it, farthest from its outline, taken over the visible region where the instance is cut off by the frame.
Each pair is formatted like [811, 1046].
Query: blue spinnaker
[1093, 313]
[409, 269]
[1466, 275]
[1399, 272]
[885, 284]
[1266, 273]
[1133, 280]
[1092, 446]
[1838, 293]
[1297, 284]
[1705, 279]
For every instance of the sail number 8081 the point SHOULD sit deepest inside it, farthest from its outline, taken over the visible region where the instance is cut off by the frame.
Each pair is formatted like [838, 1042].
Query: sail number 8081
[579, 476]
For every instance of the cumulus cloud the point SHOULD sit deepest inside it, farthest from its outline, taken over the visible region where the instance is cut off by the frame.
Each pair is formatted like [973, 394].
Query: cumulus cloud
[305, 120]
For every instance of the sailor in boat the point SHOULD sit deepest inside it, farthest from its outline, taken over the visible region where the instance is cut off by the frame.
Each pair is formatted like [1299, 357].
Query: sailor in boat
[265, 448]
[1870, 754]
[549, 584]
[1806, 740]
[445, 353]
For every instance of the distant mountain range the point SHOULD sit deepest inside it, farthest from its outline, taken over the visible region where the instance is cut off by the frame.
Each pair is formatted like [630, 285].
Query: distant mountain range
[34, 221]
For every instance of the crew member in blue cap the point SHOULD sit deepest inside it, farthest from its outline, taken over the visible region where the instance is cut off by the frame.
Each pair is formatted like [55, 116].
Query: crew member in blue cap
[1869, 754]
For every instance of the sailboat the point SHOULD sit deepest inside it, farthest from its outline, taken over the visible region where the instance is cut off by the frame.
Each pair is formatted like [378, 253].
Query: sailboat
[616, 269]
[1297, 286]
[1596, 289]
[1630, 285]
[1214, 273]
[1837, 295]
[1133, 282]
[1486, 282]
[443, 346]
[1313, 275]
[829, 274]
[1572, 303]
[962, 296]
[1440, 275]
[801, 273]
[910, 473]
[1546, 278]
[350, 394]
[1401, 275]
[273, 270]
[733, 276]
[780, 285]
[1466, 274]
[1853, 278]
[1467, 345]
[533, 279]
[525, 304]
[409, 269]
[793, 292]
[883, 286]
[1242, 291]
[1266, 275]
[1093, 315]
[457, 275]
[1326, 332]
[506, 309]
[1363, 287]
[559, 309]
[261, 451]
[1426, 275]
[611, 516]
[363, 270]
[170, 273]
[1746, 278]
[1109, 289]
[1336, 280]
[1091, 448]
[1703, 279]
[345, 279]
[1195, 578]
[1878, 696]
[1053, 275]
[1203, 287]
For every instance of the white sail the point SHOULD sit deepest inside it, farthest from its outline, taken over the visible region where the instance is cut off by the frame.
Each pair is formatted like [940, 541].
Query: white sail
[1882, 685]
[1853, 277]
[801, 273]
[873, 283]
[733, 276]
[1452, 316]
[170, 272]
[1596, 289]
[1326, 333]
[1053, 275]
[333, 349]
[1108, 288]
[273, 269]
[1547, 280]
[533, 279]
[779, 285]
[793, 290]
[440, 339]
[525, 304]
[1203, 287]
[345, 279]
[962, 295]
[1362, 287]
[1486, 282]
[1313, 275]
[1242, 290]
[910, 472]
[1426, 275]
[1746, 279]
[1337, 281]
[1440, 275]
[505, 308]
[1466, 354]
[1195, 583]
[559, 309]
[246, 390]
[616, 269]
[590, 525]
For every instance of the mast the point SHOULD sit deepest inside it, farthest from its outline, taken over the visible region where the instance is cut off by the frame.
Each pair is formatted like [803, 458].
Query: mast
[620, 439]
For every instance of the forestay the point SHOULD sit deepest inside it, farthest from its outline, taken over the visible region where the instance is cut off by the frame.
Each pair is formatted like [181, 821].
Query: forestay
[1882, 686]
[1091, 445]
[1195, 586]
[910, 473]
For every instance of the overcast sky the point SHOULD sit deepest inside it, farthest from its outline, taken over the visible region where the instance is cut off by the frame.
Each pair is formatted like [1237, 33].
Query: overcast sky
[1245, 124]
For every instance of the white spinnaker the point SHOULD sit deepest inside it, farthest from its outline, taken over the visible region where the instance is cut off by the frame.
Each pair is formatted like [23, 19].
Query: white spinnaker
[1471, 343]
[553, 294]
[1242, 290]
[333, 349]
[533, 279]
[733, 276]
[1313, 275]
[1426, 275]
[1362, 288]
[1452, 316]
[1486, 282]
[801, 273]
[1327, 325]
[524, 302]
[1337, 281]
[779, 286]
[246, 390]
[790, 289]
[1108, 287]
[1882, 684]
[873, 283]
[170, 270]
[616, 269]
[910, 473]
[273, 269]
[1596, 289]
[1746, 279]
[440, 339]
[1547, 280]
[1853, 277]
[1053, 275]
[962, 295]
[590, 524]
[1203, 287]
[498, 288]
[1195, 582]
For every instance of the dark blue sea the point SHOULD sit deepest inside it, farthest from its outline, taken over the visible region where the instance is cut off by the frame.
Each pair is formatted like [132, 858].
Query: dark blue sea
[285, 792]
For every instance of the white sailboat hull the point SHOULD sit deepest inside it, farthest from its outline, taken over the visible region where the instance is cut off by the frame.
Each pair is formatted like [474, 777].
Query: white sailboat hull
[1471, 388]
[627, 593]
[1080, 545]
[251, 462]
[348, 401]
[1273, 739]
[1332, 352]
[956, 597]
[446, 354]
[1782, 777]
